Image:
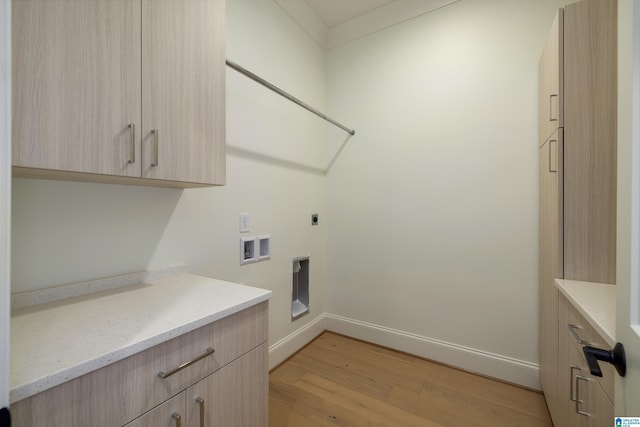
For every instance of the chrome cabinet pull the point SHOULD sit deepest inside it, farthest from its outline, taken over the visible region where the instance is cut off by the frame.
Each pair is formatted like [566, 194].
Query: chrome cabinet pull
[573, 328]
[578, 400]
[572, 395]
[178, 419]
[132, 157]
[155, 144]
[208, 352]
[553, 160]
[201, 403]
[551, 118]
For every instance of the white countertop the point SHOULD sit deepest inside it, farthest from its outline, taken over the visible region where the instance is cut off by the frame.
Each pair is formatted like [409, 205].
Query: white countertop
[58, 341]
[596, 302]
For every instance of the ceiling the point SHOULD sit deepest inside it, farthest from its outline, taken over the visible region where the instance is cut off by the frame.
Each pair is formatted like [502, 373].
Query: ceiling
[336, 12]
[334, 22]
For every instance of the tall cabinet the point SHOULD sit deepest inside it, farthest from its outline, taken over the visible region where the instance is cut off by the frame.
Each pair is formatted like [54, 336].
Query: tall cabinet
[125, 91]
[577, 168]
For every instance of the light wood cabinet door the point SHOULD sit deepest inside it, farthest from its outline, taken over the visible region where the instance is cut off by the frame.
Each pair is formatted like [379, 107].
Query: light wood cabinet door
[591, 407]
[550, 264]
[590, 88]
[183, 93]
[235, 396]
[169, 414]
[76, 85]
[550, 82]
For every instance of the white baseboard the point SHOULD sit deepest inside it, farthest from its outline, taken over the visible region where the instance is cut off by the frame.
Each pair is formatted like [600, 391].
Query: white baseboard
[289, 345]
[482, 362]
[489, 364]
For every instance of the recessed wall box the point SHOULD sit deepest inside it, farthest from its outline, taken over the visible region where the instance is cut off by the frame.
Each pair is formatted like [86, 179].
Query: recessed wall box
[300, 292]
[247, 250]
[264, 247]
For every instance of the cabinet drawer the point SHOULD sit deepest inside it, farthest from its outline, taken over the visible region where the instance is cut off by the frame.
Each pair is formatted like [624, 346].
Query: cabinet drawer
[117, 393]
[577, 327]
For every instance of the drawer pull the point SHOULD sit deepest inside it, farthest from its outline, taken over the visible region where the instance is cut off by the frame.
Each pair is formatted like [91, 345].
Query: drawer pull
[551, 118]
[208, 352]
[178, 419]
[573, 328]
[572, 394]
[578, 400]
[201, 403]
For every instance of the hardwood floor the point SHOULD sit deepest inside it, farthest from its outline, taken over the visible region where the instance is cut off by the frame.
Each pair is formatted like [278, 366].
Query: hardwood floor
[338, 381]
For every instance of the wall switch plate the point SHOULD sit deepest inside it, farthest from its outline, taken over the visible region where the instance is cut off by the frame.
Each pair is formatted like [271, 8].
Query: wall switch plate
[314, 219]
[245, 223]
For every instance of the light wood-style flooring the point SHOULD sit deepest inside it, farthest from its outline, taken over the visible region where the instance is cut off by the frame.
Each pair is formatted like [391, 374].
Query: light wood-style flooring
[338, 381]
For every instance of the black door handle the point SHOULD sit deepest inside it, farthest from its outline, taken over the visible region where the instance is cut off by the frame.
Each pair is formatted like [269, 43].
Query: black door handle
[5, 417]
[616, 357]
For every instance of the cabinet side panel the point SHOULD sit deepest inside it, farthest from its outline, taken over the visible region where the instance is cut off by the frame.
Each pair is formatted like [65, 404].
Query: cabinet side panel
[590, 140]
[550, 265]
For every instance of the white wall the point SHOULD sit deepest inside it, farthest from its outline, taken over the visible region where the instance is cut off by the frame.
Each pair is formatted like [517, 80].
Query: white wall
[429, 213]
[432, 240]
[66, 232]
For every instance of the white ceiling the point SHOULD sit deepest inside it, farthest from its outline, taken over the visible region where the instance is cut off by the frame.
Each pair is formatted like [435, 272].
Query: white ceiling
[334, 22]
[336, 12]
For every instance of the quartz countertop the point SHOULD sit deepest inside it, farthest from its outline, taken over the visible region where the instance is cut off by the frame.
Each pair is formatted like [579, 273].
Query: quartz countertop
[61, 340]
[596, 302]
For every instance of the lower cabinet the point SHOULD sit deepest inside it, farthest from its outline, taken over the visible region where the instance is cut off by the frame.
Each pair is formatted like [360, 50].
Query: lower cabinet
[232, 396]
[214, 376]
[585, 400]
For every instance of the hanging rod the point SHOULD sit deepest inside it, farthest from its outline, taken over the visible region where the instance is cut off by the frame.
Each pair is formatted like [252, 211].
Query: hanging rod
[280, 92]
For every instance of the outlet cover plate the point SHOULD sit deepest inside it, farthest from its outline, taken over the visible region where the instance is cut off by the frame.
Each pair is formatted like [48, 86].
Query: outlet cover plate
[245, 223]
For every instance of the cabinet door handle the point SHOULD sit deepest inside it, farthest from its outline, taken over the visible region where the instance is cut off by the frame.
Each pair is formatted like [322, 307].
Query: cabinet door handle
[201, 403]
[178, 419]
[553, 160]
[572, 394]
[578, 400]
[573, 328]
[132, 129]
[155, 147]
[208, 352]
[551, 118]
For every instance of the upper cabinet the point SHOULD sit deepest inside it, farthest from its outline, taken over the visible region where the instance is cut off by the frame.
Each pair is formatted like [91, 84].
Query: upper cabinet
[183, 90]
[120, 91]
[76, 85]
[550, 82]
